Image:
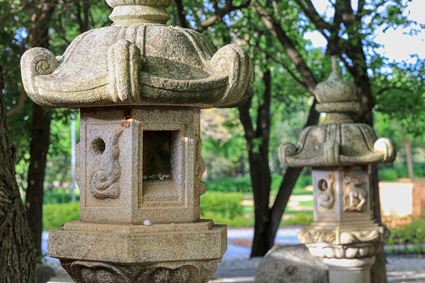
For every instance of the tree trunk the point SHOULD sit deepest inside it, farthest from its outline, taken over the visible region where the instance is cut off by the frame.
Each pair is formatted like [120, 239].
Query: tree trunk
[258, 156]
[16, 247]
[40, 131]
[266, 236]
[409, 160]
[267, 220]
[40, 140]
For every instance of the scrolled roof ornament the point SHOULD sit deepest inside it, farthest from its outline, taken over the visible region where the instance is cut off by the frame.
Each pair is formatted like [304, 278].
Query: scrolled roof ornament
[338, 140]
[138, 61]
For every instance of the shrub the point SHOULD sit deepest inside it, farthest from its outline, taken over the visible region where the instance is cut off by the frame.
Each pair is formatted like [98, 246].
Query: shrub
[230, 185]
[227, 205]
[243, 184]
[59, 196]
[410, 237]
[55, 215]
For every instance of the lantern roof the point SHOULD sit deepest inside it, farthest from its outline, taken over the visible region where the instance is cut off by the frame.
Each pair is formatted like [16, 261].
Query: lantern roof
[337, 140]
[138, 61]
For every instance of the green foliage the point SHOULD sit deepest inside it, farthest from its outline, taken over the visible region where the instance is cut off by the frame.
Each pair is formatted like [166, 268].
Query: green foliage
[230, 185]
[226, 205]
[299, 219]
[58, 196]
[409, 238]
[55, 215]
[398, 171]
[243, 184]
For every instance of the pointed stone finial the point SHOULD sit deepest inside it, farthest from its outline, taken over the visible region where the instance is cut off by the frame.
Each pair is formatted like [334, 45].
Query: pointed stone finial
[138, 12]
[337, 97]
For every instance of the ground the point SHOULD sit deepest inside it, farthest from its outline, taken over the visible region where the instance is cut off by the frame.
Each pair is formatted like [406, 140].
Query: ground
[238, 267]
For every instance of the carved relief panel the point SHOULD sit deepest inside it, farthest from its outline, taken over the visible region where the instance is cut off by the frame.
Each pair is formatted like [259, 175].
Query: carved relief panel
[140, 166]
[341, 193]
[325, 192]
[355, 193]
[104, 165]
[104, 176]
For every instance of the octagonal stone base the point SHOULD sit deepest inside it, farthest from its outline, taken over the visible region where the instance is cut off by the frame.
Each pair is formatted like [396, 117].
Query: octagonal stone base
[187, 252]
[107, 272]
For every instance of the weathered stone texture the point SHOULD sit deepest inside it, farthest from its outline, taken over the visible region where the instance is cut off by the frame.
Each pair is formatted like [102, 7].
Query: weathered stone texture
[291, 264]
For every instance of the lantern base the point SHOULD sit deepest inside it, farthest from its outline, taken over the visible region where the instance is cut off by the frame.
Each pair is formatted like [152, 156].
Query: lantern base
[94, 253]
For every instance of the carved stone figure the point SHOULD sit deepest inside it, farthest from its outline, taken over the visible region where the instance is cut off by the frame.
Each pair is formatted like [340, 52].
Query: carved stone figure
[355, 194]
[326, 194]
[104, 180]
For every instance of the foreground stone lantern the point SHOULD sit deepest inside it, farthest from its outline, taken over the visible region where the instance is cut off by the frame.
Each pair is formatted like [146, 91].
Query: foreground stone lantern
[341, 152]
[140, 86]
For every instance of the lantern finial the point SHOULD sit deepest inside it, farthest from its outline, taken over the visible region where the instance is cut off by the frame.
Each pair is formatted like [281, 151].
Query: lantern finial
[137, 12]
[337, 97]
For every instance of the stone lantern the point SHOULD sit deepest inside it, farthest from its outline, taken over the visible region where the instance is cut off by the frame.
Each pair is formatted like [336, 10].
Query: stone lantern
[341, 152]
[140, 86]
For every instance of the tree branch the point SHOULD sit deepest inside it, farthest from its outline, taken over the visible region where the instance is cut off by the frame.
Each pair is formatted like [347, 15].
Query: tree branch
[289, 179]
[246, 121]
[291, 51]
[19, 104]
[220, 13]
[310, 11]
[360, 7]
[290, 72]
[181, 14]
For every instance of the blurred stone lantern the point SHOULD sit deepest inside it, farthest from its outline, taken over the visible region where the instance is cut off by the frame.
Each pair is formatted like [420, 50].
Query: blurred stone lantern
[140, 86]
[341, 152]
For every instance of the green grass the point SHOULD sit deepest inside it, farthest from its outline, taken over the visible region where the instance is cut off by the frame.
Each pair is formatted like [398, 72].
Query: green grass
[303, 218]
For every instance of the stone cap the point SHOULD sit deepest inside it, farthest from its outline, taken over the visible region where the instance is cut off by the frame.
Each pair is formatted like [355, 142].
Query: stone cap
[138, 61]
[337, 141]
[133, 12]
[337, 97]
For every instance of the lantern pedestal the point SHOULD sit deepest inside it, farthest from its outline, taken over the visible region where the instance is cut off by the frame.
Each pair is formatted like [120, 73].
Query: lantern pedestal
[98, 253]
[349, 270]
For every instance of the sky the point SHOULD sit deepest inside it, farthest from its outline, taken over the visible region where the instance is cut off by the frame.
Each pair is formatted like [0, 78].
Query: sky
[397, 44]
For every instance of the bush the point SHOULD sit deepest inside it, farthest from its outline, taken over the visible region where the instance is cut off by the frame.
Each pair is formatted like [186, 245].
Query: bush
[224, 204]
[55, 215]
[243, 184]
[392, 172]
[225, 208]
[59, 196]
[230, 185]
[408, 239]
